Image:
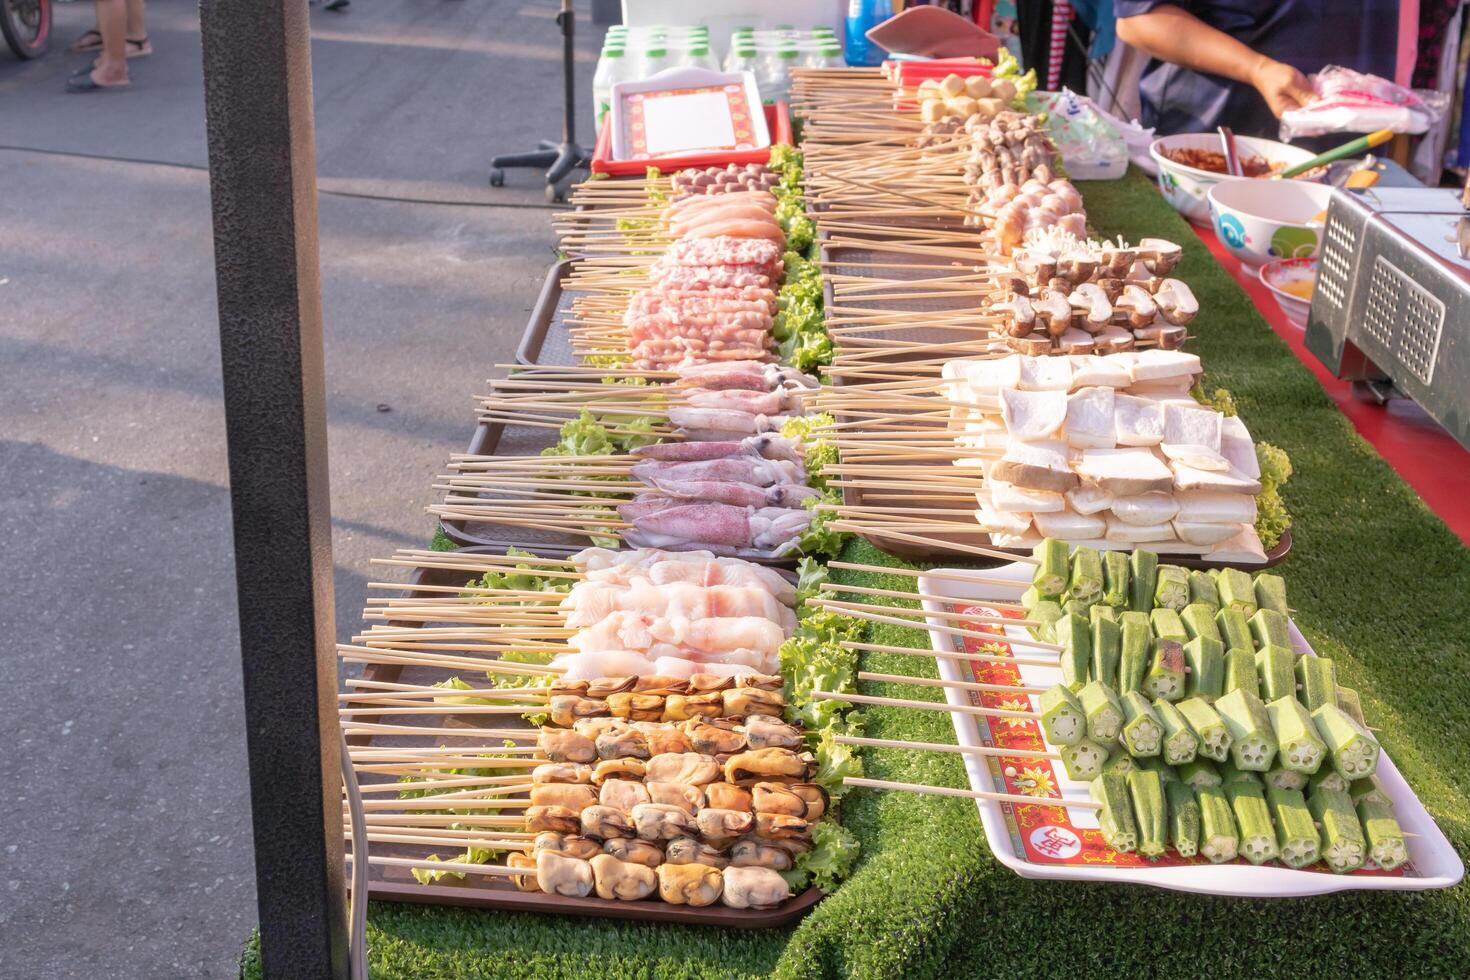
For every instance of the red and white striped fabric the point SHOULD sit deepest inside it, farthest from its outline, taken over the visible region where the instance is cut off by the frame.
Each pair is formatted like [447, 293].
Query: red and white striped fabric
[1061, 16]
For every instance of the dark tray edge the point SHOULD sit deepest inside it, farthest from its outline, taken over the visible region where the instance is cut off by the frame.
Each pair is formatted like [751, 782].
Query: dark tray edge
[513, 900]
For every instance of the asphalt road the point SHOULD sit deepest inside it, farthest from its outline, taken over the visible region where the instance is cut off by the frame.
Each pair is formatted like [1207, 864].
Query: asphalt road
[125, 845]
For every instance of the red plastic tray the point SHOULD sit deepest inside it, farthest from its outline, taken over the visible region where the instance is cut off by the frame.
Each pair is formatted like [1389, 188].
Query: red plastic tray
[778, 122]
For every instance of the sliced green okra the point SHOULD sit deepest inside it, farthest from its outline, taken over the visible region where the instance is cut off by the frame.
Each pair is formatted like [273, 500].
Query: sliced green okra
[1167, 625]
[1235, 630]
[1075, 637]
[1276, 668]
[1063, 721]
[1299, 747]
[1181, 742]
[1142, 731]
[1240, 671]
[1343, 846]
[1133, 660]
[1200, 772]
[1053, 570]
[1202, 591]
[1107, 648]
[1213, 733]
[1270, 590]
[1296, 833]
[1252, 740]
[1367, 788]
[1385, 838]
[1236, 591]
[1253, 818]
[1086, 581]
[1166, 676]
[1143, 570]
[1115, 579]
[1030, 598]
[1351, 704]
[1171, 587]
[1045, 613]
[1119, 761]
[1183, 818]
[1218, 839]
[1206, 660]
[1316, 682]
[1326, 778]
[1083, 760]
[1231, 774]
[1104, 713]
[1354, 752]
[1269, 628]
[1150, 815]
[1076, 607]
[1199, 620]
[1282, 778]
[1100, 611]
[1119, 831]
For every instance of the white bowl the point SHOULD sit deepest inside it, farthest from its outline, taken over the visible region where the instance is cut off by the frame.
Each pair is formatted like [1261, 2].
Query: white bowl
[1277, 273]
[1185, 187]
[1261, 220]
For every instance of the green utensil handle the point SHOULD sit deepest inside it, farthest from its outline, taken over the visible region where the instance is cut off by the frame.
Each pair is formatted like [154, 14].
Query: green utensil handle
[1360, 145]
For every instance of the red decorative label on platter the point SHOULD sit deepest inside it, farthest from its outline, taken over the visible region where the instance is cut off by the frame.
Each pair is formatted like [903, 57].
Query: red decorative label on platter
[1045, 833]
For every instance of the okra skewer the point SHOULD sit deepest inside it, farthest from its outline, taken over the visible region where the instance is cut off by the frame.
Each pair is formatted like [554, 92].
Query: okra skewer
[1119, 831]
[1107, 647]
[1381, 830]
[1276, 667]
[1237, 591]
[1103, 712]
[1253, 818]
[1296, 833]
[1085, 583]
[1142, 732]
[1252, 740]
[1354, 752]
[1053, 569]
[1136, 643]
[1343, 845]
[1270, 592]
[1300, 748]
[1115, 579]
[1149, 812]
[1240, 671]
[1234, 629]
[1316, 679]
[1171, 587]
[1203, 591]
[1181, 743]
[1218, 838]
[1184, 818]
[1143, 568]
[1205, 658]
[1200, 772]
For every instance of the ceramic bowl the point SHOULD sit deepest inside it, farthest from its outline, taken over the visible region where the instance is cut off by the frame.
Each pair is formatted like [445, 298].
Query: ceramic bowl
[1185, 187]
[1279, 273]
[1261, 220]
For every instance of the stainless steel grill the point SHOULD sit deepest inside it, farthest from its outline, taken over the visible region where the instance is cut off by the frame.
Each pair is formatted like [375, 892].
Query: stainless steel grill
[1391, 306]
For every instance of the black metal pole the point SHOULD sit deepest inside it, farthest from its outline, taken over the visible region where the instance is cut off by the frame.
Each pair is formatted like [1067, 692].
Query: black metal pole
[262, 172]
[567, 18]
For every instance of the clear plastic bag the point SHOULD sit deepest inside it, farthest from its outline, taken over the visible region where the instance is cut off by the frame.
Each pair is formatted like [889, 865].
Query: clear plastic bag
[1351, 102]
[1094, 144]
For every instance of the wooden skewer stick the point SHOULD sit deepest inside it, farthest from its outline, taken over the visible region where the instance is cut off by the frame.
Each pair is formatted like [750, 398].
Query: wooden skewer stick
[958, 685]
[898, 611]
[915, 596]
[957, 631]
[981, 750]
[474, 869]
[963, 709]
[969, 794]
[988, 658]
[953, 575]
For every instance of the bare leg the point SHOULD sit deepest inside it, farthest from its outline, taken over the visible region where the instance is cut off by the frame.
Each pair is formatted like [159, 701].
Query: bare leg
[137, 30]
[112, 67]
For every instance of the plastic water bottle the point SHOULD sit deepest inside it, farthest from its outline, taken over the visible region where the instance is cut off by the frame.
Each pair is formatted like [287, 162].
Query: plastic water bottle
[828, 56]
[611, 69]
[743, 58]
[862, 16]
[779, 76]
[652, 61]
[698, 56]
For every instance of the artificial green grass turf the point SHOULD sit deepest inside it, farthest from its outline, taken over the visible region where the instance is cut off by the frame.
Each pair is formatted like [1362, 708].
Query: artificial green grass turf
[1379, 584]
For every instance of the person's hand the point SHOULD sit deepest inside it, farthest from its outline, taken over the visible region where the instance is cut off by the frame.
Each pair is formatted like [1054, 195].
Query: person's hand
[1282, 86]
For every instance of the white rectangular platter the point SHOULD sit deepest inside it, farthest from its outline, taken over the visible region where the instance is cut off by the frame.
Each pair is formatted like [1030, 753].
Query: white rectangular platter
[1056, 845]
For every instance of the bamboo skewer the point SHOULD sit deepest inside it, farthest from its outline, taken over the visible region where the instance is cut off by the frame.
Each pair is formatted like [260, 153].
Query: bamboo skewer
[971, 794]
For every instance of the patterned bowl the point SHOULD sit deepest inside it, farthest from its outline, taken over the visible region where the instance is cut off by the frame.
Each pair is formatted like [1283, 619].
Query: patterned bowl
[1261, 220]
[1288, 279]
[1185, 187]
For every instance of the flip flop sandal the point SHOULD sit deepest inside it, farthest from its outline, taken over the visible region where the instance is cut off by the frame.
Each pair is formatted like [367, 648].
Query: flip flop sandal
[89, 41]
[139, 48]
[85, 83]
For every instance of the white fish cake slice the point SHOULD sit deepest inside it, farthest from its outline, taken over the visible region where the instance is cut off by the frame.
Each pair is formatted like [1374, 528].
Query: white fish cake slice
[1151, 365]
[1033, 416]
[990, 377]
[1090, 423]
[1045, 373]
[1125, 533]
[1093, 370]
[1026, 541]
[1237, 446]
[1017, 500]
[1145, 509]
[1036, 466]
[1190, 478]
[1002, 522]
[1243, 549]
[1070, 525]
[1194, 532]
[1088, 499]
[1124, 472]
[1186, 426]
[1198, 457]
[1215, 506]
[1137, 421]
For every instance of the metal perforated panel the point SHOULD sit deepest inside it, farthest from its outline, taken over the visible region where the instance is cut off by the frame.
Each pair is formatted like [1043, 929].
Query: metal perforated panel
[1405, 318]
[1336, 261]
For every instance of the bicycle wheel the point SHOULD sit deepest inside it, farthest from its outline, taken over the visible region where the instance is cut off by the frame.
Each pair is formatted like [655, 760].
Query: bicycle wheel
[26, 25]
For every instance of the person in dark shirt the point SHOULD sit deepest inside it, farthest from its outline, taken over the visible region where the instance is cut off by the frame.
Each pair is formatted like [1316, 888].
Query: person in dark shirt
[1240, 63]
